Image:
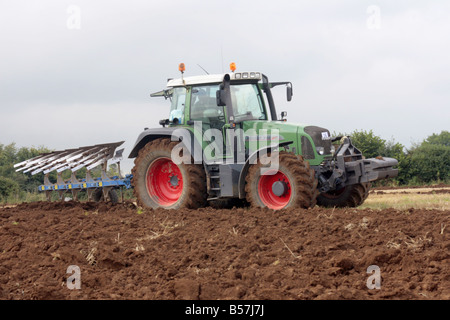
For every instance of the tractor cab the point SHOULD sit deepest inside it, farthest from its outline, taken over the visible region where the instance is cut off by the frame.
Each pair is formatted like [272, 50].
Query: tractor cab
[222, 103]
[204, 98]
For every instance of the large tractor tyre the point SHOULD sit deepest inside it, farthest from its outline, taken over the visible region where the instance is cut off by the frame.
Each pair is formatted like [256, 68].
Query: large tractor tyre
[160, 183]
[292, 185]
[112, 194]
[349, 196]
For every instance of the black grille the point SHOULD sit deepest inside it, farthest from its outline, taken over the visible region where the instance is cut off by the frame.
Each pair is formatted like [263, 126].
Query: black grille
[307, 148]
[321, 137]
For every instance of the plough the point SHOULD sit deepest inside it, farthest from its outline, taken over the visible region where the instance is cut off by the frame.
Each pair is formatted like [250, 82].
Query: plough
[89, 157]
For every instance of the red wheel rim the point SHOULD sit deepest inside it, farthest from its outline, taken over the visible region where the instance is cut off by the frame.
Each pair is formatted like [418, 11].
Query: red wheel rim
[164, 182]
[267, 194]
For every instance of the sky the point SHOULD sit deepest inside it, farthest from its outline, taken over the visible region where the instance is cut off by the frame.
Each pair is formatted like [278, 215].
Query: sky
[78, 73]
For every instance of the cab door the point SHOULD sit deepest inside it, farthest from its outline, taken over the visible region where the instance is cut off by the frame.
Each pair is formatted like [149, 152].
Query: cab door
[209, 120]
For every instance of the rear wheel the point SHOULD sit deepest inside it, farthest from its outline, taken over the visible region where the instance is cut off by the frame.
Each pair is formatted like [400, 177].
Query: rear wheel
[292, 185]
[349, 196]
[160, 183]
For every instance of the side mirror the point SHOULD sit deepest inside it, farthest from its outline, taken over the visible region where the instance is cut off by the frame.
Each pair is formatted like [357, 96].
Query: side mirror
[223, 94]
[164, 122]
[289, 91]
[220, 98]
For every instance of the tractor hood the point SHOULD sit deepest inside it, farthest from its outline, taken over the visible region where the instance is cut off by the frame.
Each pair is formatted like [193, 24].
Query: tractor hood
[312, 142]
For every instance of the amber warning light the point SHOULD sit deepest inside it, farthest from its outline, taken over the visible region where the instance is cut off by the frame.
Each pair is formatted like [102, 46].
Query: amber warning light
[232, 66]
[181, 67]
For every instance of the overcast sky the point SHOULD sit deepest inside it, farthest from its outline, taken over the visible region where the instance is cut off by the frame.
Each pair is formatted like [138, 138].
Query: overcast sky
[76, 73]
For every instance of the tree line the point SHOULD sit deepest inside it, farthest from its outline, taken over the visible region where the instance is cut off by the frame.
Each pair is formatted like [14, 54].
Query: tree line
[427, 162]
[14, 183]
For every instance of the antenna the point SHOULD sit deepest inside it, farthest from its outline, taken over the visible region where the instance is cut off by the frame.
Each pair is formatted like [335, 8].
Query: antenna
[221, 53]
[203, 68]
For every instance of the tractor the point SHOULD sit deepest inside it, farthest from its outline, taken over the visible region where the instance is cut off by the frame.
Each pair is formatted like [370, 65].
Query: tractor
[223, 144]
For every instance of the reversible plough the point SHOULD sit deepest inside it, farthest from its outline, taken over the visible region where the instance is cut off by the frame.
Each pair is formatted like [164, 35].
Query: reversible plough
[74, 160]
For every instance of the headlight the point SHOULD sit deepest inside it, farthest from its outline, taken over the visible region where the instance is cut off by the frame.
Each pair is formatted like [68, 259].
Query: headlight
[320, 150]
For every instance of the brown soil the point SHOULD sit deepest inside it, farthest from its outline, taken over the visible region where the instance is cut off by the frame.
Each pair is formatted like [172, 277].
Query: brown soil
[124, 253]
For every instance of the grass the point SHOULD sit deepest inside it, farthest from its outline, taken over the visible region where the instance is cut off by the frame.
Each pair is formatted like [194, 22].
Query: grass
[409, 198]
[23, 197]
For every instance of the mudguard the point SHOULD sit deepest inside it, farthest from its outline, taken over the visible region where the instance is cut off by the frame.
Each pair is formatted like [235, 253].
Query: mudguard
[174, 133]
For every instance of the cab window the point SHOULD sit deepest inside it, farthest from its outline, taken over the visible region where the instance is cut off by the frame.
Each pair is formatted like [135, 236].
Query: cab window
[247, 102]
[177, 106]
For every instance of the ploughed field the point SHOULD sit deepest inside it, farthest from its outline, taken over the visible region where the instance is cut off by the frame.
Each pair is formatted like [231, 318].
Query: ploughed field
[123, 252]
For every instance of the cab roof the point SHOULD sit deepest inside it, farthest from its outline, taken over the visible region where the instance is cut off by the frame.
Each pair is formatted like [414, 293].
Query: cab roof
[214, 78]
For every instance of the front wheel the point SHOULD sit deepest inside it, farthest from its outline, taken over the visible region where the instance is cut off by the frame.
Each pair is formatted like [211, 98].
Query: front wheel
[160, 183]
[349, 196]
[291, 185]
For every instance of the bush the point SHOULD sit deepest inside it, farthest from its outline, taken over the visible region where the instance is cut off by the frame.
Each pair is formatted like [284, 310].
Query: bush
[430, 163]
[8, 188]
[368, 143]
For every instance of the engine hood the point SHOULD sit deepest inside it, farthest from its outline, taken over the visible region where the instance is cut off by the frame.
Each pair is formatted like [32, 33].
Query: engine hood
[312, 142]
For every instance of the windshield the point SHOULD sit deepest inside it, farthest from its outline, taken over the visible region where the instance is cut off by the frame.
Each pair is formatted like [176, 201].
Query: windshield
[247, 102]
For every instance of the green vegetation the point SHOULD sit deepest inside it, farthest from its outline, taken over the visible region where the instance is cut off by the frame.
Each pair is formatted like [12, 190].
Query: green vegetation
[16, 186]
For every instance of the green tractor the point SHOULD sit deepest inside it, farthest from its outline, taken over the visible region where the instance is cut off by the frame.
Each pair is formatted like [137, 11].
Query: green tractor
[224, 145]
